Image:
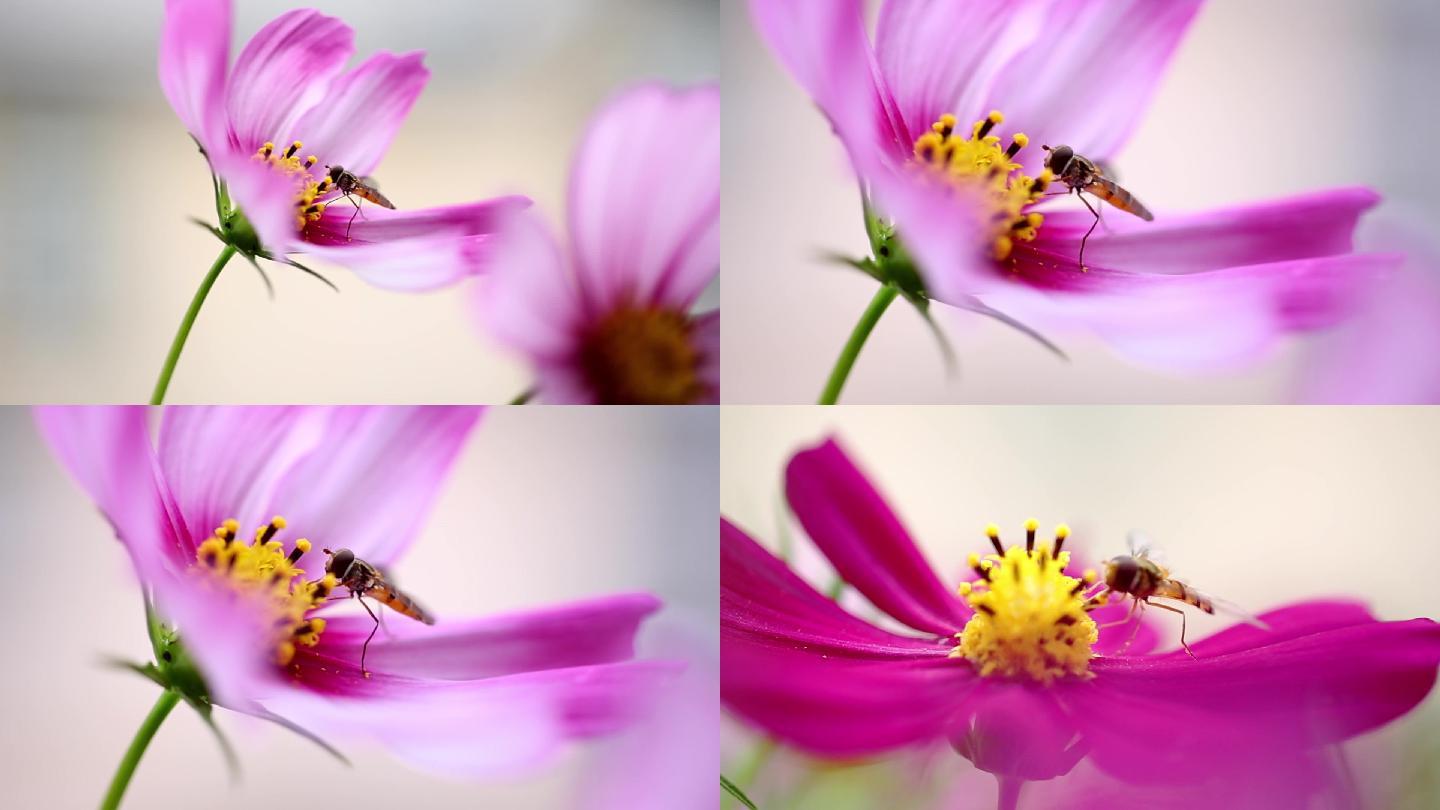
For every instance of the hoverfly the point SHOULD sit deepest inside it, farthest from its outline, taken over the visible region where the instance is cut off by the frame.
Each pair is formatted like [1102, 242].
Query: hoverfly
[351, 187]
[363, 579]
[1140, 577]
[1080, 174]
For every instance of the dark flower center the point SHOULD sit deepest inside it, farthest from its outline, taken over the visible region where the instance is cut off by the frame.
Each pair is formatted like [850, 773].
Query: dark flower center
[642, 356]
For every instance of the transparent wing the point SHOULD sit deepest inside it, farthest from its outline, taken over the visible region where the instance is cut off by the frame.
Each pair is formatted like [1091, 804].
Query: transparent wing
[1234, 611]
[1141, 545]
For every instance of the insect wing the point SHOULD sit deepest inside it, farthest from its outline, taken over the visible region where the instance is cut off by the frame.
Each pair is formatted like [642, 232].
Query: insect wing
[1234, 611]
[365, 189]
[1111, 192]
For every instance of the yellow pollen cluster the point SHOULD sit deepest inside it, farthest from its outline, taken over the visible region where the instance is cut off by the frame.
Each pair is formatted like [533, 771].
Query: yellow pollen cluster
[978, 163]
[266, 574]
[307, 209]
[642, 356]
[1031, 620]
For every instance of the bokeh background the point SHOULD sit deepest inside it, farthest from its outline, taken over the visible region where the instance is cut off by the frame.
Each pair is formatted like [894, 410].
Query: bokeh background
[545, 505]
[1260, 506]
[99, 261]
[1278, 96]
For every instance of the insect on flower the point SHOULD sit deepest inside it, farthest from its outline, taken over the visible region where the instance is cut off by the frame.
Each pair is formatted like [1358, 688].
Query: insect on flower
[364, 579]
[1139, 576]
[351, 187]
[1080, 174]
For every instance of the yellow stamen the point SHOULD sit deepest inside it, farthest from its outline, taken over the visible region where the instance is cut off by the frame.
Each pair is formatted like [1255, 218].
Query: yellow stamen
[979, 164]
[268, 576]
[310, 189]
[1030, 619]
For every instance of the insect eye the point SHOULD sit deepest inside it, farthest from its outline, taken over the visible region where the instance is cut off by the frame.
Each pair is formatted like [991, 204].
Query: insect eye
[1059, 156]
[335, 172]
[340, 561]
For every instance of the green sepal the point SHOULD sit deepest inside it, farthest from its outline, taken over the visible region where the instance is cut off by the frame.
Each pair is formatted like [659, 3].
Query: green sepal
[235, 229]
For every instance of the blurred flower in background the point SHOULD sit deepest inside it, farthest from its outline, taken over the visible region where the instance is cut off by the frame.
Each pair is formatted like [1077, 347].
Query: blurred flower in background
[1025, 676]
[951, 217]
[469, 697]
[609, 319]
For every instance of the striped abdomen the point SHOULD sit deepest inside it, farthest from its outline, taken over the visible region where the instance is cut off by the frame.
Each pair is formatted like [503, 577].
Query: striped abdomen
[1180, 592]
[1112, 193]
[398, 602]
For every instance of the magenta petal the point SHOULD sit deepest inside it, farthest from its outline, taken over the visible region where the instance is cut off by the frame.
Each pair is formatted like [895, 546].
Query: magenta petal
[644, 202]
[355, 122]
[1317, 224]
[764, 602]
[1290, 695]
[869, 547]
[283, 71]
[194, 50]
[265, 196]
[528, 300]
[1019, 730]
[369, 478]
[477, 728]
[1086, 80]
[599, 631]
[1291, 621]
[412, 250]
[107, 450]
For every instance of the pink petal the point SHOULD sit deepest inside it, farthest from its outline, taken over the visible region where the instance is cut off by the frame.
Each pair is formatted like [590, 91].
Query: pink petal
[265, 196]
[825, 48]
[1390, 352]
[226, 462]
[942, 57]
[368, 478]
[1200, 321]
[1317, 224]
[355, 122]
[871, 550]
[1087, 79]
[284, 71]
[1291, 621]
[598, 631]
[1296, 693]
[470, 729]
[194, 49]
[763, 602]
[528, 300]
[706, 336]
[107, 450]
[1018, 730]
[412, 251]
[644, 199]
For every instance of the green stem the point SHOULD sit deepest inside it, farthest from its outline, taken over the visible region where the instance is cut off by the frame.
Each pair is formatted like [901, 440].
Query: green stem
[147, 729]
[523, 397]
[188, 321]
[846, 360]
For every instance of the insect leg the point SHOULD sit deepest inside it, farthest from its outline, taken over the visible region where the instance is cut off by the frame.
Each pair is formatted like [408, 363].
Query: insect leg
[1182, 623]
[348, 225]
[366, 648]
[1086, 238]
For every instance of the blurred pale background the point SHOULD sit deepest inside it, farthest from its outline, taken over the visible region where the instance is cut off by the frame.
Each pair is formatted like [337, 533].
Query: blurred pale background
[545, 505]
[1286, 94]
[1260, 506]
[99, 262]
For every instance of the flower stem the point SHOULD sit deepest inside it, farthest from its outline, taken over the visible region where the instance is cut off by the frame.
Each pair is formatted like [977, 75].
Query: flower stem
[1009, 798]
[167, 701]
[188, 321]
[523, 397]
[846, 360]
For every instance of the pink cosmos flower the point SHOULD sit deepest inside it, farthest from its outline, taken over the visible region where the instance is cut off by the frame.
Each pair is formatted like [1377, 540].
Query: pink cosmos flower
[286, 111]
[609, 320]
[966, 201]
[468, 696]
[1018, 674]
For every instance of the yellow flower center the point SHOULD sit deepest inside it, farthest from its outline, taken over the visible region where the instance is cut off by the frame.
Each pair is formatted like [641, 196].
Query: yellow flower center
[309, 188]
[1031, 620]
[642, 356]
[264, 573]
[978, 164]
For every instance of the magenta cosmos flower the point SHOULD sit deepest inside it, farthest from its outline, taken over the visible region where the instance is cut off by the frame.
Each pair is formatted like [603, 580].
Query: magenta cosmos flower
[470, 697]
[276, 122]
[609, 320]
[1019, 675]
[935, 115]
